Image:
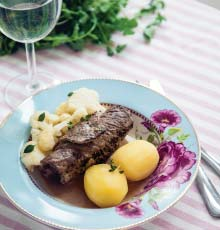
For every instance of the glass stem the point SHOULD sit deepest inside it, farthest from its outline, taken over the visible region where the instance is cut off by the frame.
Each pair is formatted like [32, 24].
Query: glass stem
[31, 64]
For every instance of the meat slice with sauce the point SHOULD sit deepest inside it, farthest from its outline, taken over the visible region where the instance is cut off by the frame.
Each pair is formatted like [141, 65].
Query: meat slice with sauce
[88, 143]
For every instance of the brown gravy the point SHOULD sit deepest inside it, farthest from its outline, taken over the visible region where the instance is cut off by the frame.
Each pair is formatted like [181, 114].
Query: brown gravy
[74, 193]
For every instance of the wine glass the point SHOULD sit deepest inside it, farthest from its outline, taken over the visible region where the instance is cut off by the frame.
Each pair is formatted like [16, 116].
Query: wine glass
[28, 21]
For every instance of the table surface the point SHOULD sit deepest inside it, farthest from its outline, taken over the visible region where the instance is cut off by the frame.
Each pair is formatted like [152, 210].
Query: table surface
[214, 3]
[184, 56]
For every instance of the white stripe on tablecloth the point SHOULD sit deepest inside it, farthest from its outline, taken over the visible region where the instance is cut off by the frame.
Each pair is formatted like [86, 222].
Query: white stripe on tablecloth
[9, 211]
[189, 218]
[3, 227]
[147, 225]
[202, 86]
[181, 18]
[198, 216]
[195, 9]
[132, 72]
[63, 67]
[177, 222]
[146, 65]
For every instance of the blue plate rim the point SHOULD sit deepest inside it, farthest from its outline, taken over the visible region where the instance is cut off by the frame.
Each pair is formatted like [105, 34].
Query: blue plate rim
[49, 223]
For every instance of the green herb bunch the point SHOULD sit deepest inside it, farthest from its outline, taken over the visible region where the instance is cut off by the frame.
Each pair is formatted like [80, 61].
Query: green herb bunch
[84, 22]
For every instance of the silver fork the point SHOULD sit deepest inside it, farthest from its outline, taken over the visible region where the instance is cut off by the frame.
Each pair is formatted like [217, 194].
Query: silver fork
[207, 190]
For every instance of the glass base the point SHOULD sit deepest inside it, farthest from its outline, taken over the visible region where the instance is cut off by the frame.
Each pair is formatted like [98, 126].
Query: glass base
[19, 88]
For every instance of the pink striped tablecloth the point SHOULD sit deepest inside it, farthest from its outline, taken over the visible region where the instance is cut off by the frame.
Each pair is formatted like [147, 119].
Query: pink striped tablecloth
[184, 56]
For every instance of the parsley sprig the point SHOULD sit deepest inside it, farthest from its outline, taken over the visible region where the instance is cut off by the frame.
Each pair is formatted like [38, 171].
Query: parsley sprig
[114, 167]
[85, 22]
[70, 125]
[86, 118]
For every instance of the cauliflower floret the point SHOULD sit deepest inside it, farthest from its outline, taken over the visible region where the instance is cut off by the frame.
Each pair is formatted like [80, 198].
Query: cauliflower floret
[33, 156]
[35, 134]
[43, 116]
[46, 140]
[62, 108]
[87, 98]
[58, 128]
[36, 116]
[40, 125]
[65, 117]
[80, 112]
[52, 119]
[69, 121]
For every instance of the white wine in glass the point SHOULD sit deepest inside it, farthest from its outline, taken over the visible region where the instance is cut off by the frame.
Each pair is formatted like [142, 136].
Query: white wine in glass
[28, 21]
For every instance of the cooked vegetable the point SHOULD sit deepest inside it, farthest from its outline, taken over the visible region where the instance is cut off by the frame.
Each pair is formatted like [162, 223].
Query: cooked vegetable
[29, 148]
[150, 30]
[33, 156]
[86, 21]
[46, 141]
[62, 108]
[85, 98]
[138, 159]
[41, 117]
[104, 187]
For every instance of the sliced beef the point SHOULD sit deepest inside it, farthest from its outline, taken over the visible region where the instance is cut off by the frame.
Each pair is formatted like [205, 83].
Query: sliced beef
[88, 143]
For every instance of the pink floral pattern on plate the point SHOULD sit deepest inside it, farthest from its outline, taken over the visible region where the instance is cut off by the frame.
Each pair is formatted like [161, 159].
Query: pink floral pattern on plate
[130, 209]
[174, 166]
[165, 118]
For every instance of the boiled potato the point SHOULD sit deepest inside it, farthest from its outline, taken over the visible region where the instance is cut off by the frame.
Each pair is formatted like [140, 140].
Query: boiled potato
[105, 188]
[138, 159]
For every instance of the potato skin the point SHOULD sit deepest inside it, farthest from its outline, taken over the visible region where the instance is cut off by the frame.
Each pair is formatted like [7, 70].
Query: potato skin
[104, 188]
[138, 159]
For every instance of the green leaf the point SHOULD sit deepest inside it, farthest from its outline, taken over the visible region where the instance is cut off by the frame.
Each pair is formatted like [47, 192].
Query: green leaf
[41, 117]
[110, 51]
[146, 11]
[158, 4]
[70, 125]
[159, 19]
[113, 167]
[120, 48]
[29, 148]
[150, 138]
[173, 131]
[183, 137]
[75, 34]
[152, 8]
[70, 94]
[150, 30]
[126, 25]
[86, 118]
[77, 45]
